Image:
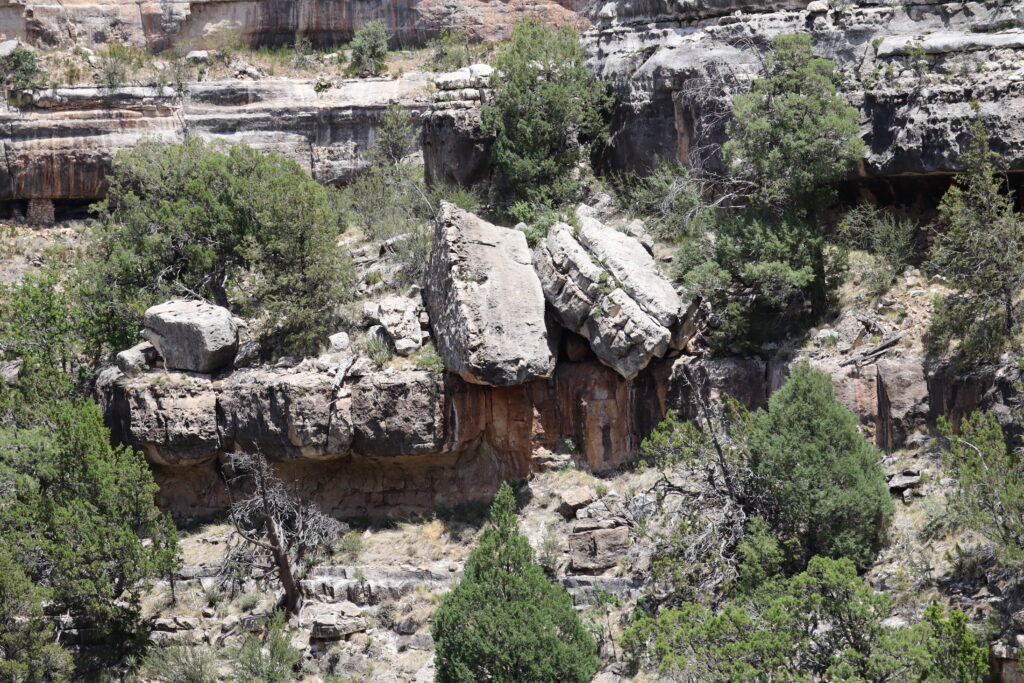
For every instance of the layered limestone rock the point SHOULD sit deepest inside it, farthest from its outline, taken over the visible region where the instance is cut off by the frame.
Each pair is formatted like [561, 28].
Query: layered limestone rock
[912, 69]
[604, 285]
[456, 150]
[485, 302]
[61, 144]
[672, 82]
[259, 22]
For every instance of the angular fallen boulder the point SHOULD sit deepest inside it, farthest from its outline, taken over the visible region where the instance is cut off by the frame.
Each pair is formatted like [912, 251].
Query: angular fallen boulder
[192, 335]
[485, 302]
[604, 285]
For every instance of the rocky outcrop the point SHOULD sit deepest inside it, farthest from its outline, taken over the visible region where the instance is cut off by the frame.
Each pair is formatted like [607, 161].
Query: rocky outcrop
[456, 150]
[191, 335]
[196, 23]
[61, 145]
[604, 285]
[912, 69]
[671, 82]
[402, 319]
[485, 302]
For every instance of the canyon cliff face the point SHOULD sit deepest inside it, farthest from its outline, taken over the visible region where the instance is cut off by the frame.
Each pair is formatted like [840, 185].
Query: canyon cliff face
[196, 23]
[61, 145]
[912, 70]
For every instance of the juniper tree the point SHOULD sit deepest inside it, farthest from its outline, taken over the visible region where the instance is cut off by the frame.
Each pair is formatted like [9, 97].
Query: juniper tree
[978, 252]
[547, 105]
[505, 621]
[821, 486]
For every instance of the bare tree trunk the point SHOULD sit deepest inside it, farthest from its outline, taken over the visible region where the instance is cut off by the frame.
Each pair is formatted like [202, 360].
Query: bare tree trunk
[292, 593]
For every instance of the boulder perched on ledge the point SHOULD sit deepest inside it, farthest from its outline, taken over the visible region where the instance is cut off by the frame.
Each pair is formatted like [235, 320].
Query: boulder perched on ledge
[192, 335]
[485, 302]
[604, 285]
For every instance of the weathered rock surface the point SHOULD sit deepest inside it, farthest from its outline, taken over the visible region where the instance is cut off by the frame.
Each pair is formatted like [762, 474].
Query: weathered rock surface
[400, 319]
[62, 144]
[604, 285]
[674, 65]
[485, 302]
[191, 335]
[260, 22]
[597, 545]
[137, 359]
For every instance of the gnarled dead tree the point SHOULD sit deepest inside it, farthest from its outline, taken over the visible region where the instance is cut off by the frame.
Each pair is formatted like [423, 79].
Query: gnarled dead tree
[275, 530]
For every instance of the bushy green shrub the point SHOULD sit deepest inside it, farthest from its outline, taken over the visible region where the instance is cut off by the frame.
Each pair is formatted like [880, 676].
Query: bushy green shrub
[978, 254]
[988, 496]
[670, 200]
[451, 50]
[823, 624]
[20, 68]
[505, 621]
[819, 481]
[793, 133]
[28, 648]
[370, 49]
[182, 664]
[547, 107]
[270, 659]
[889, 239]
[244, 229]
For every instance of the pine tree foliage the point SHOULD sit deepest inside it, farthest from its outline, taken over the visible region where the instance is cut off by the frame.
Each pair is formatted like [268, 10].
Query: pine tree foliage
[793, 133]
[821, 486]
[979, 254]
[244, 229]
[547, 106]
[505, 621]
[28, 651]
[989, 492]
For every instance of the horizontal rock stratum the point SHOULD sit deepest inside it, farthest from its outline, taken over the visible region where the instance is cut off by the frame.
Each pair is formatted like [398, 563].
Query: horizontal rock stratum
[197, 23]
[62, 145]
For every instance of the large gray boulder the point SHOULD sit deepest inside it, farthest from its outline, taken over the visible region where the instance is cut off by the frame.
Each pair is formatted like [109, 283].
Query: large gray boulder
[485, 302]
[604, 285]
[192, 335]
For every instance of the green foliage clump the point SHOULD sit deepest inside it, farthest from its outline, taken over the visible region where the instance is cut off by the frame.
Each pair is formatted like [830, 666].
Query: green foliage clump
[271, 659]
[669, 198]
[768, 266]
[451, 50]
[181, 664]
[889, 240]
[955, 653]
[247, 230]
[505, 621]
[793, 133]
[370, 49]
[820, 483]
[978, 254]
[20, 69]
[989, 493]
[547, 107]
[119, 62]
[81, 516]
[28, 651]
[771, 634]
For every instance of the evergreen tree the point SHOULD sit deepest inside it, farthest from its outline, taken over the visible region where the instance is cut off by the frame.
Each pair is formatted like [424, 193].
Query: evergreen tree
[81, 515]
[28, 651]
[793, 133]
[819, 481]
[370, 49]
[246, 230]
[989, 494]
[979, 254]
[505, 621]
[547, 106]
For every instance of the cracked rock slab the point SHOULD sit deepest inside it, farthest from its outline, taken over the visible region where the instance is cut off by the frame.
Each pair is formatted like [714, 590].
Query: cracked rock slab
[485, 302]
